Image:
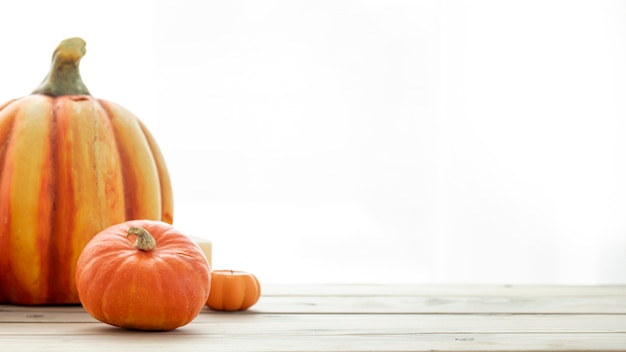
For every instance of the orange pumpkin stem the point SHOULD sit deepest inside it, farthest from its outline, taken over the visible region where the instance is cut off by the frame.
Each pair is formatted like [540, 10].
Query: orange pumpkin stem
[64, 76]
[144, 241]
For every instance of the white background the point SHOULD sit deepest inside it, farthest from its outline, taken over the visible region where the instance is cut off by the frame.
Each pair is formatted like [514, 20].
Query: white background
[369, 141]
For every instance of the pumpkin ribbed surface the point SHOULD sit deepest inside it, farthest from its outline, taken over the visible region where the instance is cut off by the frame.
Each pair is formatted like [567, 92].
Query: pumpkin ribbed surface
[233, 290]
[160, 284]
[70, 166]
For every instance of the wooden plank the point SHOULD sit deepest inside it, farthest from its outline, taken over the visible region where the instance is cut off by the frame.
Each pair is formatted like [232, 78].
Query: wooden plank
[180, 342]
[343, 324]
[493, 304]
[443, 305]
[441, 290]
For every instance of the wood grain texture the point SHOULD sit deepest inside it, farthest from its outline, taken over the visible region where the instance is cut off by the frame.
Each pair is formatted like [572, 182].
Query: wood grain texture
[355, 318]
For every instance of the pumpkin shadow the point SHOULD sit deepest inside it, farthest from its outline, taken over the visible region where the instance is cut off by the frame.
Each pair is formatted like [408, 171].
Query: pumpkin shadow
[142, 336]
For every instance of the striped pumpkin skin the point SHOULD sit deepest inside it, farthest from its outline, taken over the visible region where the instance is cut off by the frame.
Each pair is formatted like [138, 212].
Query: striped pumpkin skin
[70, 166]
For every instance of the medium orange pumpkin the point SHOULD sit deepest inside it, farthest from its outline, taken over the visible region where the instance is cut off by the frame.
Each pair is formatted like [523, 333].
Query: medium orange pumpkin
[160, 281]
[233, 290]
[70, 166]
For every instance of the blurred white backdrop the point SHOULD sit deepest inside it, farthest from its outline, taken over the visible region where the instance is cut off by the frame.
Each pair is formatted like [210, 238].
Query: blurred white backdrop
[369, 141]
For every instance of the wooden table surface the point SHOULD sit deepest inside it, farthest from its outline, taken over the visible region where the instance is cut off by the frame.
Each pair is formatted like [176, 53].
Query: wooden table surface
[355, 318]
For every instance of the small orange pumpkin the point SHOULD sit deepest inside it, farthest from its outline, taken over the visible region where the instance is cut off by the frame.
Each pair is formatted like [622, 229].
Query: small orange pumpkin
[233, 290]
[70, 166]
[161, 281]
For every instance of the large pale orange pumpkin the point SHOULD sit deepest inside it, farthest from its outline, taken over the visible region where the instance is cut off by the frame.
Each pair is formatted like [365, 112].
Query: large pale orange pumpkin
[143, 275]
[70, 166]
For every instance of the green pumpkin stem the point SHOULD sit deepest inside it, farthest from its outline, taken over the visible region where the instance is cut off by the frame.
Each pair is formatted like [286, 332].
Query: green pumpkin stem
[64, 76]
[144, 241]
